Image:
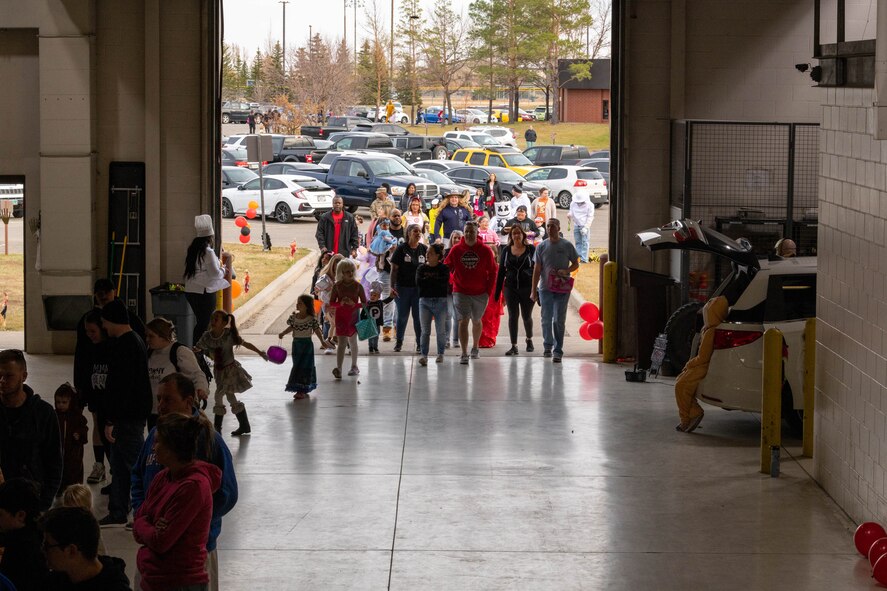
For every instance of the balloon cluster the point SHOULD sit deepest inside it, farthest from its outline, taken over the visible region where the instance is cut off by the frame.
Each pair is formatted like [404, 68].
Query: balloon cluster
[241, 222]
[592, 329]
[871, 541]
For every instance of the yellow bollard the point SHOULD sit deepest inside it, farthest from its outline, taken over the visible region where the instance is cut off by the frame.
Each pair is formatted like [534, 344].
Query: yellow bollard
[610, 277]
[771, 396]
[809, 384]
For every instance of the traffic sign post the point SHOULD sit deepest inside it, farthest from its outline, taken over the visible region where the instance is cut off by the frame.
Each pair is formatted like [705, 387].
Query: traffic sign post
[259, 150]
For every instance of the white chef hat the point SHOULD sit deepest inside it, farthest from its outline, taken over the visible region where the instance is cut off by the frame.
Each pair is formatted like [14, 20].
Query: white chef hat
[203, 224]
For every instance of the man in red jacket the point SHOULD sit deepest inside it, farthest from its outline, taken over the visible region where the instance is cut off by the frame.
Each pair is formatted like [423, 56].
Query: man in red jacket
[473, 268]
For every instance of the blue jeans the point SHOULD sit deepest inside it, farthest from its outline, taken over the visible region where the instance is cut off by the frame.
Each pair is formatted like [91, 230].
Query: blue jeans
[554, 319]
[581, 243]
[407, 301]
[129, 436]
[436, 308]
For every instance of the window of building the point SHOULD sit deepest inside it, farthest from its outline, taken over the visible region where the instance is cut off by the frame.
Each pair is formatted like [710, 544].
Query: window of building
[606, 110]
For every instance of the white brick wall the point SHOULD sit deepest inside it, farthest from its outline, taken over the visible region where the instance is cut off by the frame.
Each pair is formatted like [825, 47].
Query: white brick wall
[850, 458]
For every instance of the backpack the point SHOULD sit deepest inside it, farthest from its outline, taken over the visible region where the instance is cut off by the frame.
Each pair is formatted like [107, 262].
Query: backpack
[201, 361]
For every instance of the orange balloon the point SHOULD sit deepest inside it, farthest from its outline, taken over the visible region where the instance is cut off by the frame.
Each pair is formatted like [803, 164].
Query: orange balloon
[318, 305]
[236, 289]
[253, 205]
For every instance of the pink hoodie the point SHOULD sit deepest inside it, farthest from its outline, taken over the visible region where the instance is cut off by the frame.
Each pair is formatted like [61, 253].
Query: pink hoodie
[173, 556]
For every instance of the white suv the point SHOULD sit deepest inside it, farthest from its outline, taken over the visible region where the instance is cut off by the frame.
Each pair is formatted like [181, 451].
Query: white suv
[504, 135]
[762, 294]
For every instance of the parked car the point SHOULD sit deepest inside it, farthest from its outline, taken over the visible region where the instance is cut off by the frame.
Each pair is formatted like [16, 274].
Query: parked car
[16, 193]
[373, 142]
[457, 144]
[297, 148]
[286, 197]
[277, 140]
[434, 144]
[481, 139]
[390, 129]
[504, 135]
[356, 176]
[236, 175]
[438, 165]
[445, 185]
[564, 181]
[477, 176]
[600, 154]
[234, 157]
[761, 294]
[235, 112]
[497, 156]
[548, 155]
[433, 115]
[398, 117]
[333, 124]
[542, 113]
[475, 116]
[602, 166]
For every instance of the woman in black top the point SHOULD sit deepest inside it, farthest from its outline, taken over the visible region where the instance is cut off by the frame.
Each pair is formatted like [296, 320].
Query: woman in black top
[433, 280]
[404, 263]
[516, 274]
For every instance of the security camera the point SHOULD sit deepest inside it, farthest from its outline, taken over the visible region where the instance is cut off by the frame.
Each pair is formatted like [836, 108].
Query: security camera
[802, 67]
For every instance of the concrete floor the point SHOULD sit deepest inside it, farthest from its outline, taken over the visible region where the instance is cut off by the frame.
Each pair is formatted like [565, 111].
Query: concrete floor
[512, 473]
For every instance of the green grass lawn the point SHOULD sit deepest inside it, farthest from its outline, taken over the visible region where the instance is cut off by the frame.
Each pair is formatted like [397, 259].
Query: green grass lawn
[263, 267]
[12, 282]
[596, 136]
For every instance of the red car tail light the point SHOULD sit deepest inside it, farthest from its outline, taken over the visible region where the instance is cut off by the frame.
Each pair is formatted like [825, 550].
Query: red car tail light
[299, 194]
[309, 158]
[242, 164]
[729, 339]
[320, 132]
[605, 182]
[580, 183]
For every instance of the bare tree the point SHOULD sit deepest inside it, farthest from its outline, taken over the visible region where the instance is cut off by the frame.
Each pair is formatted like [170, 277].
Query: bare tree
[375, 27]
[323, 77]
[447, 47]
[597, 39]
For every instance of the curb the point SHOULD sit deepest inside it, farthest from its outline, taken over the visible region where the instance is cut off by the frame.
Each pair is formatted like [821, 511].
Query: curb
[246, 312]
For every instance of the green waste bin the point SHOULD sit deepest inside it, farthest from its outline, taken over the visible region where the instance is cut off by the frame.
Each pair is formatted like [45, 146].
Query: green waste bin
[174, 306]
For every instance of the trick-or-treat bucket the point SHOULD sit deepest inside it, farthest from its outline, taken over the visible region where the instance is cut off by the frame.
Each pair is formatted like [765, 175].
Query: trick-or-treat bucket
[636, 375]
[276, 354]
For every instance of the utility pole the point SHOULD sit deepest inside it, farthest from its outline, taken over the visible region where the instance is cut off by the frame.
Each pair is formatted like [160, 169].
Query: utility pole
[345, 21]
[413, 19]
[284, 3]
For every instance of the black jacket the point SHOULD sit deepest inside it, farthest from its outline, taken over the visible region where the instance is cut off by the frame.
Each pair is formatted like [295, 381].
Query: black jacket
[530, 135]
[128, 394]
[23, 562]
[496, 193]
[515, 272]
[348, 234]
[30, 445]
[112, 578]
[528, 225]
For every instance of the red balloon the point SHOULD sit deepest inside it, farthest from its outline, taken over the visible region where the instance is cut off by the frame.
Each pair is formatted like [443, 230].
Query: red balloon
[596, 330]
[589, 312]
[250, 213]
[583, 331]
[240, 221]
[880, 570]
[865, 536]
[244, 239]
[878, 549]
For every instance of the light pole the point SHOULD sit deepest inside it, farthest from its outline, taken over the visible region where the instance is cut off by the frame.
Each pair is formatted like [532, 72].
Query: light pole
[284, 3]
[413, 19]
[391, 51]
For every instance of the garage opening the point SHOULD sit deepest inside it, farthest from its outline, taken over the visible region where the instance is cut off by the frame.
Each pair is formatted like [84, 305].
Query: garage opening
[12, 255]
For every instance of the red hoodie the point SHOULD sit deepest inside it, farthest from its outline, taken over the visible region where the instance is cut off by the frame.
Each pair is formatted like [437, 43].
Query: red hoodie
[173, 556]
[473, 268]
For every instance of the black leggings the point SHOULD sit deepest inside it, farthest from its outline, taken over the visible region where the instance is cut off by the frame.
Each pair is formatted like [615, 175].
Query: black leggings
[203, 305]
[518, 302]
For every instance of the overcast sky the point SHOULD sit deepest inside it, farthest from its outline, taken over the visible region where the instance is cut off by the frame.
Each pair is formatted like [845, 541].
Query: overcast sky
[250, 23]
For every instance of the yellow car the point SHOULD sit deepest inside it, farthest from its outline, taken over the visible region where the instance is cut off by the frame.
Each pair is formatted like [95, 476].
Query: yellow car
[501, 115]
[505, 157]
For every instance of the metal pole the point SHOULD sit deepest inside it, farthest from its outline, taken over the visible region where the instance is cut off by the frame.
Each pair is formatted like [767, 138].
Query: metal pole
[262, 201]
[354, 3]
[345, 21]
[611, 270]
[391, 52]
[771, 397]
[283, 3]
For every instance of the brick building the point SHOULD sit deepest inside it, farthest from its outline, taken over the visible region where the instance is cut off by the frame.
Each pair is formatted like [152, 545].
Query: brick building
[585, 101]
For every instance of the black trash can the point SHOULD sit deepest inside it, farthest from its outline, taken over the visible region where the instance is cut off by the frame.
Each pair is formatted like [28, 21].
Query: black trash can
[653, 295]
[174, 306]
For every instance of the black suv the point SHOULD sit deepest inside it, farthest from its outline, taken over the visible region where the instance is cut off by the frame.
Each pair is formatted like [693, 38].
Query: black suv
[296, 148]
[235, 112]
[435, 144]
[549, 155]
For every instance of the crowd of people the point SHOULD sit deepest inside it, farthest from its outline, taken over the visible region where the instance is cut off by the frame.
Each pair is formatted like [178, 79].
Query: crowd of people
[456, 268]
[170, 478]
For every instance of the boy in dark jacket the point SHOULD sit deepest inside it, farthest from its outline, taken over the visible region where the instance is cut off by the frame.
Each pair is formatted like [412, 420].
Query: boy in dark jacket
[73, 431]
[70, 541]
[22, 560]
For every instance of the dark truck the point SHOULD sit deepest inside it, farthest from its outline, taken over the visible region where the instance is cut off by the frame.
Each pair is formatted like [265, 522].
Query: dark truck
[355, 178]
[296, 148]
[333, 124]
[435, 144]
[372, 142]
